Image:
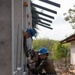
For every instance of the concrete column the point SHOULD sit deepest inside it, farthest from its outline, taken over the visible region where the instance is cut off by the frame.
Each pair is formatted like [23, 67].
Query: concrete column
[5, 37]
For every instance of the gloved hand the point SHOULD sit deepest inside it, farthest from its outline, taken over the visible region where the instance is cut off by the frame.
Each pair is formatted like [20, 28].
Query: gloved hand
[28, 66]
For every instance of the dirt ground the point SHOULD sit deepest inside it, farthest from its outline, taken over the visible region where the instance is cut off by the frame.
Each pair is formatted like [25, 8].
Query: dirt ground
[61, 69]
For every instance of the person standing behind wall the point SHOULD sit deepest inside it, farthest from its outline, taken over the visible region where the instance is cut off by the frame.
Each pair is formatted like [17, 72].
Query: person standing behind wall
[27, 34]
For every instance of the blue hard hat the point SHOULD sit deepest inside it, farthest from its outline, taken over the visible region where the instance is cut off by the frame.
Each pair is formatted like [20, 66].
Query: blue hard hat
[43, 50]
[31, 32]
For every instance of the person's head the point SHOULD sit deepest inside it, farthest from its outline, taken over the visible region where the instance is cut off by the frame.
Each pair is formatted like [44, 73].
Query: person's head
[29, 33]
[43, 53]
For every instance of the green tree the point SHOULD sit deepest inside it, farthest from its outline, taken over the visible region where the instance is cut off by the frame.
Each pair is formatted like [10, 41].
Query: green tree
[57, 50]
[70, 17]
[61, 51]
[43, 43]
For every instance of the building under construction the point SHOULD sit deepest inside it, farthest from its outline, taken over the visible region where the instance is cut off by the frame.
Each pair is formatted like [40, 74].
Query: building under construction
[16, 17]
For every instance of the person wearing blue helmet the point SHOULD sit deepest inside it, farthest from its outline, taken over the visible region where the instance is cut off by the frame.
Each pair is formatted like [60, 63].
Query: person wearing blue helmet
[29, 33]
[46, 66]
[43, 51]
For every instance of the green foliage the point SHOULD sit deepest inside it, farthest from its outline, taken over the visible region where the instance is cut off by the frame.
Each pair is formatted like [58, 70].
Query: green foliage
[57, 50]
[61, 51]
[70, 17]
[43, 43]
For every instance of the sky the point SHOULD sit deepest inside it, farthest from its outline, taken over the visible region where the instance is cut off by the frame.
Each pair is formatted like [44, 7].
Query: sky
[61, 28]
